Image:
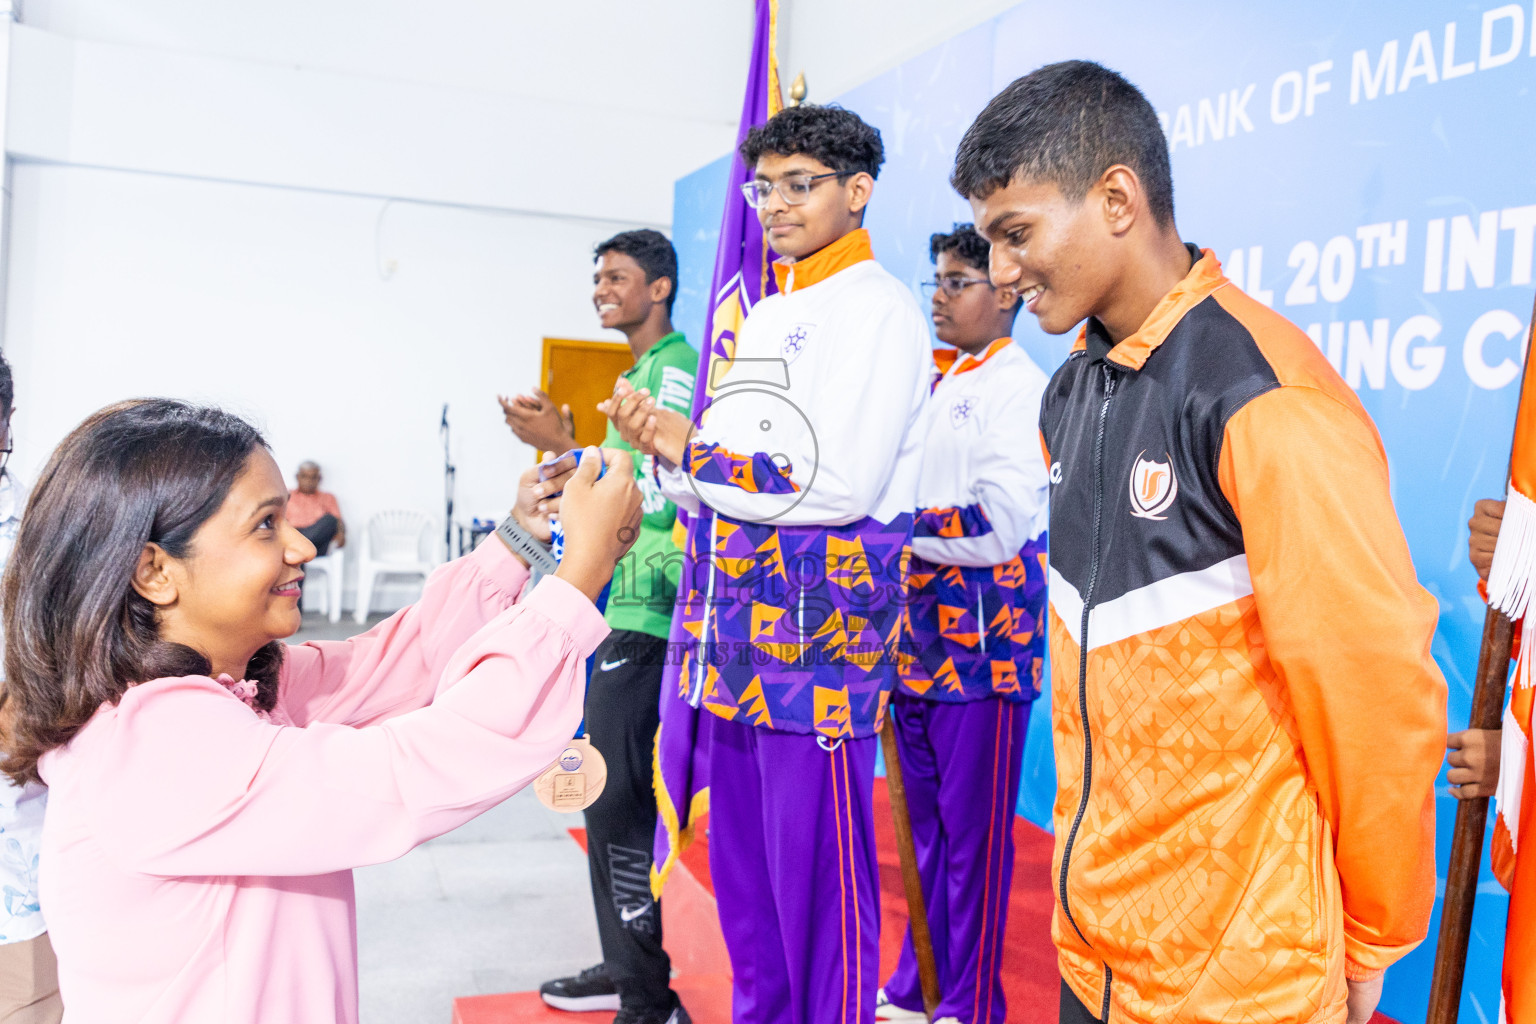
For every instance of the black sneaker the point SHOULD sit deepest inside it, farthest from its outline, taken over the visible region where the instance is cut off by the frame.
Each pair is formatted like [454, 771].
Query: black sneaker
[590, 990]
[676, 1015]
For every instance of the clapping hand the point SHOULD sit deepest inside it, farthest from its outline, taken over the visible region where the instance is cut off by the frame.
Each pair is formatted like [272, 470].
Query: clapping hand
[630, 411]
[536, 421]
[648, 428]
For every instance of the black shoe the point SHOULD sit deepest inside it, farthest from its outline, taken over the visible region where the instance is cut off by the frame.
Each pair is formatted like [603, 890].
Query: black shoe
[675, 1015]
[590, 990]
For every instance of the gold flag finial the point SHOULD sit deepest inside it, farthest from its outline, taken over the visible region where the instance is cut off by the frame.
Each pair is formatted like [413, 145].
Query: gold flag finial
[797, 90]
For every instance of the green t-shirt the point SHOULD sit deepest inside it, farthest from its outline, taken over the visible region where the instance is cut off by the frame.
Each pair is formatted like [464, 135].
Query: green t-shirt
[645, 583]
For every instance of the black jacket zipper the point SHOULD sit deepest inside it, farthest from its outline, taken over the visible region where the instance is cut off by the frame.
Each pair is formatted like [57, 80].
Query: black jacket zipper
[1082, 669]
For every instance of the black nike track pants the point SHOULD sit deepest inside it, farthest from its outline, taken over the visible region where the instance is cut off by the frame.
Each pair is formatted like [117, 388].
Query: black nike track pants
[622, 715]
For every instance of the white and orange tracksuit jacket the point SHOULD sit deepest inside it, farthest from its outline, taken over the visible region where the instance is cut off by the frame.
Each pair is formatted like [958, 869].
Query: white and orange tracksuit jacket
[1247, 720]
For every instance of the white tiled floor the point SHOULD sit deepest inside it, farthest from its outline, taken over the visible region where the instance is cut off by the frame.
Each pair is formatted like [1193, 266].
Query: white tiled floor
[498, 905]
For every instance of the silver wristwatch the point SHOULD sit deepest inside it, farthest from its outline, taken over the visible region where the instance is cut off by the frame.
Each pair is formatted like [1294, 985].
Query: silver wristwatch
[532, 551]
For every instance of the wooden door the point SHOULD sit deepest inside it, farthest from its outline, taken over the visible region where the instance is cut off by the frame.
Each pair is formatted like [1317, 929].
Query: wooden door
[581, 374]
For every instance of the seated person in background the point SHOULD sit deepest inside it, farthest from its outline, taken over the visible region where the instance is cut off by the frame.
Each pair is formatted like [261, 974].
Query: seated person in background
[314, 512]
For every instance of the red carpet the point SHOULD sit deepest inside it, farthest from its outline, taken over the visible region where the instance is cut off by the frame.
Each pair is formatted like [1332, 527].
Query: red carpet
[692, 928]
[1030, 979]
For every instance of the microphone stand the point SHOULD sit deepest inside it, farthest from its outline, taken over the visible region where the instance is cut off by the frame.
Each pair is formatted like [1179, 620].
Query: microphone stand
[449, 471]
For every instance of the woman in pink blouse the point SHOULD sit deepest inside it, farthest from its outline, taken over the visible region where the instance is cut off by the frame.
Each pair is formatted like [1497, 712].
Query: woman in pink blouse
[211, 788]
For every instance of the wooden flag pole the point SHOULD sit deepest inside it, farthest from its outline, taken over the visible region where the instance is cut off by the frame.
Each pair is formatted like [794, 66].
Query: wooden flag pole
[917, 910]
[1471, 819]
[1472, 815]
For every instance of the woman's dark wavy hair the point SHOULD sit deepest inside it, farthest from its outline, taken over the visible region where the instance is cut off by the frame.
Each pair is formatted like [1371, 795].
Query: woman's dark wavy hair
[77, 635]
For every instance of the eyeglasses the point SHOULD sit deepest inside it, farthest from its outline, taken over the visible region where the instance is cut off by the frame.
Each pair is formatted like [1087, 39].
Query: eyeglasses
[794, 189]
[952, 286]
[10, 444]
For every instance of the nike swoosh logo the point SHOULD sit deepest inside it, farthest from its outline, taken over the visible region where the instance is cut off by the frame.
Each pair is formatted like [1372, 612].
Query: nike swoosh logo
[609, 666]
[628, 914]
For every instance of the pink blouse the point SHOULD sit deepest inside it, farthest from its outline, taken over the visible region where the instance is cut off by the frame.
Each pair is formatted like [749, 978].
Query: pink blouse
[196, 861]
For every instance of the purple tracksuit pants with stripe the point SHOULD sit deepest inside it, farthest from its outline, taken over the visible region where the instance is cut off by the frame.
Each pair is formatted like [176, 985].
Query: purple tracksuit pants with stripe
[961, 765]
[792, 853]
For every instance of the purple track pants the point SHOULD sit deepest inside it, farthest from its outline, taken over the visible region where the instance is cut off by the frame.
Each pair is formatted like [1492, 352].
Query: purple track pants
[792, 853]
[961, 764]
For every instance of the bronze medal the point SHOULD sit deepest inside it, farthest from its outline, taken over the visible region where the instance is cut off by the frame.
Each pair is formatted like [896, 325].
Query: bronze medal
[575, 780]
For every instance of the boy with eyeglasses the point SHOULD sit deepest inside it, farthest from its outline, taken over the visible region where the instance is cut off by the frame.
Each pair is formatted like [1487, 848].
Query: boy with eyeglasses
[976, 604]
[802, 480]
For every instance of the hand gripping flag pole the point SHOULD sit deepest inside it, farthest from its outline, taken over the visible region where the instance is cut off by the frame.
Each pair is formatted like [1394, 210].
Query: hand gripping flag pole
[1471, 820]
[1510, 585]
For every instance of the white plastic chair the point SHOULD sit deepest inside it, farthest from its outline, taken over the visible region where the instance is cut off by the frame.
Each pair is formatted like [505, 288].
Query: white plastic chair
[396, 542]
[332, 565]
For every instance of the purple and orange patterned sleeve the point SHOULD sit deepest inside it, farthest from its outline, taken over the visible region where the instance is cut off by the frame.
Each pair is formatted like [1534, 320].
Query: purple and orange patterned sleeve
[949, 523]
[756, 473]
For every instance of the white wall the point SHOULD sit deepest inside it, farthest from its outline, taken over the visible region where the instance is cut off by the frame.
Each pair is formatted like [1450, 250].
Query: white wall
[683, 58]
[589, 109]
[271, 302]
[99, 104]
[843, 43]
[206, 197]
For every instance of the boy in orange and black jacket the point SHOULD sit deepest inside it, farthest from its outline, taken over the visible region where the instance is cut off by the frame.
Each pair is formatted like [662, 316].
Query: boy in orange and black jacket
[1247, 720]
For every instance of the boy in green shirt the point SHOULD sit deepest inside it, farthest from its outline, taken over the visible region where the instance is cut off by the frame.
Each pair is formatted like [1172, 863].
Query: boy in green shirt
[633, 290]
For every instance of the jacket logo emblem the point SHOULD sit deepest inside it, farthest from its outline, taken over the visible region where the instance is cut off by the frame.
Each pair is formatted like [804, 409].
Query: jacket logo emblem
[795, 342]
[961, 411]
[1153, 487]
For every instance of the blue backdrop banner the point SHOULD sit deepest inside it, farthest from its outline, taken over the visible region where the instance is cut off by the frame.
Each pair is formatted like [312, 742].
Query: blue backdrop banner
[1367, 170]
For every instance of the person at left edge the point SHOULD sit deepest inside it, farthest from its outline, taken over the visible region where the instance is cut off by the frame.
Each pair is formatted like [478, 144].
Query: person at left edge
[29, 972]
[633, 290]
[976, 636]
[210, 788]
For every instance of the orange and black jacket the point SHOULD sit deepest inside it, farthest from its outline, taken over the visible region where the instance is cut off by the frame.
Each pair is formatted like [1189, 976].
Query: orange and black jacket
[1247, 720]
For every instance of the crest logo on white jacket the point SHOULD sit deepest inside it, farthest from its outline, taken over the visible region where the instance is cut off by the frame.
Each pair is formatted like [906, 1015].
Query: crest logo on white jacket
[795, 342]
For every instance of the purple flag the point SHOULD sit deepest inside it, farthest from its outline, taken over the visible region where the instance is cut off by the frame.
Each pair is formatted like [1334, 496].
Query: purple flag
[742, 277]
